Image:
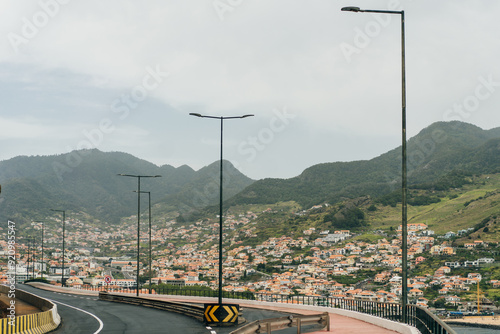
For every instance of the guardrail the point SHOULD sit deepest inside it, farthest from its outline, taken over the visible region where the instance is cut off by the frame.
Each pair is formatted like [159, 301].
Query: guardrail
[194, 311]
[274, 324]
[418, 317]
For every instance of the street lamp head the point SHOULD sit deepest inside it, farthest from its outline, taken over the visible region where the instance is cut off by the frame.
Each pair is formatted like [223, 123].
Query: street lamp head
[219, 117]
[138, 175]
[351, 9]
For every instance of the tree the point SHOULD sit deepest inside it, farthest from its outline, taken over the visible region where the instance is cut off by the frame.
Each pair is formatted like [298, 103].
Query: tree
[439, 303]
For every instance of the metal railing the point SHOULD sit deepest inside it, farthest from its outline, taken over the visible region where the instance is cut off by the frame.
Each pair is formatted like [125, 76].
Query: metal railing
[205, 293]
[418, 317]
[274, 324]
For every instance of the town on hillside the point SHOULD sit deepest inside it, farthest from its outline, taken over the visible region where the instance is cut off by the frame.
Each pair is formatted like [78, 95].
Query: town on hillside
[323, 263]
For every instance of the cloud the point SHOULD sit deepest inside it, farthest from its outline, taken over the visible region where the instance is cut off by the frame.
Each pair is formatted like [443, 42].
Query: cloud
[23, 128]
[251, 58]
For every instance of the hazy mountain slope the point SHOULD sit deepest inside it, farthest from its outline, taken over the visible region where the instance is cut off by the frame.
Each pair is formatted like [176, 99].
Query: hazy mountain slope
[87, 181]
[437, 150]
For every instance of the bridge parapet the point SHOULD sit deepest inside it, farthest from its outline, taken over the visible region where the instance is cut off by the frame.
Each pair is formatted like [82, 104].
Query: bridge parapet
[41, 322]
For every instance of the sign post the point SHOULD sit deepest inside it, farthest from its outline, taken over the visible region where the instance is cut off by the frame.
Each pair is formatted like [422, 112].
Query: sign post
[107, 281]
[221, 314]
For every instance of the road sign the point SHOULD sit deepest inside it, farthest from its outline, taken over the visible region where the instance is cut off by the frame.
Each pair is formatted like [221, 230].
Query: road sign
[221, 314]
[107, 279]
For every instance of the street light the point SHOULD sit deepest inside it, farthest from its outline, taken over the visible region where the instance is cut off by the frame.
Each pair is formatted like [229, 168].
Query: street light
[33, 257]
[41, 268]
[222, 118]
[138, 219]
[404, 232]
[28, 259]
[150, 267]
[64, 228]
[41, 261]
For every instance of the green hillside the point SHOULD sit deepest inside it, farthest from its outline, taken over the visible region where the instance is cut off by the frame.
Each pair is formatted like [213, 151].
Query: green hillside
[457, 209]
[474, 205]
[442, 157]
[87, 181]
[437, 151]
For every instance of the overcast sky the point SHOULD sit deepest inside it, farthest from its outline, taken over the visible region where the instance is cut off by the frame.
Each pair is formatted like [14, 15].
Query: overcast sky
[324, 85]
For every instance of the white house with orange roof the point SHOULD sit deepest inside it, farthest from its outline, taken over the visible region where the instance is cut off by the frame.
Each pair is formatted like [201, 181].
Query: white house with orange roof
[416, 292]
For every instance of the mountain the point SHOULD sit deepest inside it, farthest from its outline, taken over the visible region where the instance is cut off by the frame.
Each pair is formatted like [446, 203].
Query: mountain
[87, 181]
[440, 150]
[440, 156]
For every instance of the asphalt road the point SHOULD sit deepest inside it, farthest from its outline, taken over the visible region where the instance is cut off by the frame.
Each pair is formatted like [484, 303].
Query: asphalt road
[87, 314]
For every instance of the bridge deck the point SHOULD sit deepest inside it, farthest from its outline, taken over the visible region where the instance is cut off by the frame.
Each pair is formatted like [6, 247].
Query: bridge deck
[338, 324]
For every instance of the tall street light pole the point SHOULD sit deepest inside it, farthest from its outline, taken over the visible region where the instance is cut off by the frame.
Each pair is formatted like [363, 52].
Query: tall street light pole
[63, 254]
[28, 259]
[41, 268]
[222, 118]
[41, 259]
[33, 257]
[15, 258]
[150, 267]
[404, 218]
[138, 219]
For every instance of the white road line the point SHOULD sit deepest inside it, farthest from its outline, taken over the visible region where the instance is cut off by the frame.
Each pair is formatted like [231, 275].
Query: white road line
[101, 325]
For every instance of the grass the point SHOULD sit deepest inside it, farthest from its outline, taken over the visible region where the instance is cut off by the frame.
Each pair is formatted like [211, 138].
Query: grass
[472, 204]
[290, 206]
[367, 237]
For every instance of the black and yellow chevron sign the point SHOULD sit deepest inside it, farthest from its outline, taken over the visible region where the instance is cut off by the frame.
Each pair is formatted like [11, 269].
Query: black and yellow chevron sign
[221, 313]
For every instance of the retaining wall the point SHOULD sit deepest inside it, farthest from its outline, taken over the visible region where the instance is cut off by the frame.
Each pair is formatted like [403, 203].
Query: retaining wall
[42, 322]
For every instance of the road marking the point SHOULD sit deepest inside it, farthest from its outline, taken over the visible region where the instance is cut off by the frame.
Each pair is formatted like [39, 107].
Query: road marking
[101, 325]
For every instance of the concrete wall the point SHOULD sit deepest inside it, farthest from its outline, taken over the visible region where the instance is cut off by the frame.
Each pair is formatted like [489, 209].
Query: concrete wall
[41, 322]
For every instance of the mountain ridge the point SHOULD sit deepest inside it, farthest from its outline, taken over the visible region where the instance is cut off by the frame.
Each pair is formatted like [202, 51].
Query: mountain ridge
[437, 150]
[87, 180]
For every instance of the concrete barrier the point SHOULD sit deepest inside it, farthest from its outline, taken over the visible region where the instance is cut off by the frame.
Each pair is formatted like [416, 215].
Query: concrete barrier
[41, 322]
